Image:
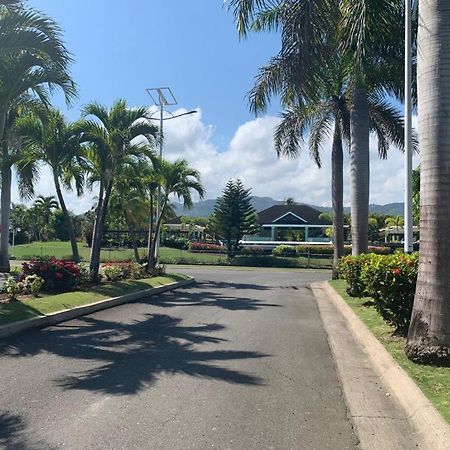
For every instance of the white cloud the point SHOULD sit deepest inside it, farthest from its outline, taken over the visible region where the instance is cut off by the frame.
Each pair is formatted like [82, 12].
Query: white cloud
[251, 156]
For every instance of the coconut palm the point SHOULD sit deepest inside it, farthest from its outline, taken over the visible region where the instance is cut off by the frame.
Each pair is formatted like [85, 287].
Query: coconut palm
[429, 332]
[115, 137]
[45, 206]
[370, 31]
[28, 73]
[179, 180]
[51, 140]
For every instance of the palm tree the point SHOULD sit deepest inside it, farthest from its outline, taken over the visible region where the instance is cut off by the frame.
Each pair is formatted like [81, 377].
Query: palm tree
[177, 179]
[51, 140]
[395, 221]
[429, 332]
[29, 71]
[129, 199]
[113, 135]
[45, 206]
[370, 31]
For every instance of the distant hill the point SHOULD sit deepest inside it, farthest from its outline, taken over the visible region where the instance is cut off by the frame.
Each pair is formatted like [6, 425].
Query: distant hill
[205, 207]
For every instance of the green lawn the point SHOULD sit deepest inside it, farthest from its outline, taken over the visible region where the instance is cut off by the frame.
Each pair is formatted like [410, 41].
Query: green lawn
[168, 256]
[32, 307]
[434, 381]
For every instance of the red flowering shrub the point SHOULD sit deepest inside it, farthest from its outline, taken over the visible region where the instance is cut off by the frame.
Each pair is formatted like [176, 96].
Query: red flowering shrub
[252, 250]
[389, 279]
[200, 247]
[58, 274]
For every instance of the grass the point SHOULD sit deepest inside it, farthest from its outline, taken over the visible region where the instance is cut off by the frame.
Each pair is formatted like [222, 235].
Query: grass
[168, 256]
[434, 381]
[32, 307]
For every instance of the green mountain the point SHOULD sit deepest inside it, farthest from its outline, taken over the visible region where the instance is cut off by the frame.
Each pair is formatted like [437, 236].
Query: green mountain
[205, 207]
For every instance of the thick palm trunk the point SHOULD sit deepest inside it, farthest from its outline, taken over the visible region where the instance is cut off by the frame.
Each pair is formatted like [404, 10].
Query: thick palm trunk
[5, 201]
[429, 333]
[68, 220]
[337, 195]
[359, 170]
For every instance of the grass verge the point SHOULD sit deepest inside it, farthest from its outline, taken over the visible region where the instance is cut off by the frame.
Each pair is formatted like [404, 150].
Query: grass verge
[32, 307]
[434, 381]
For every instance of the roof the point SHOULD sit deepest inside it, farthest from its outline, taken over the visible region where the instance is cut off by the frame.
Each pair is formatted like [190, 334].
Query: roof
[291, 215]
[175, 221]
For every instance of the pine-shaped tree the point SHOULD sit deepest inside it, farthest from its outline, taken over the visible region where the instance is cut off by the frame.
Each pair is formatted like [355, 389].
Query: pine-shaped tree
[234, 215]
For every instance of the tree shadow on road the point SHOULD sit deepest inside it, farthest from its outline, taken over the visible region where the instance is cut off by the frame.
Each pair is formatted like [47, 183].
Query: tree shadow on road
[123, 358]
[204, 296]
[12, 433]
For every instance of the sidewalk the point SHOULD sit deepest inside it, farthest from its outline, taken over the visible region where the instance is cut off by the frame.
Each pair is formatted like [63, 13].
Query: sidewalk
[379, 419]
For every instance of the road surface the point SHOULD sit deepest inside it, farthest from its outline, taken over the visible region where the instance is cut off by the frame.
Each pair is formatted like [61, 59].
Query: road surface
[238, 361]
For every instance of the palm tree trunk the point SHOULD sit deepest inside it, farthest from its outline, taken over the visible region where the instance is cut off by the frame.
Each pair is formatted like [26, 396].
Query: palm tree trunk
[95, 253]
[95, 236]
[429, 332]
[68, 219]
[151, 257]
[359, 170]
[5, 203]
[132, 236]
[150, 233]
[337, 194]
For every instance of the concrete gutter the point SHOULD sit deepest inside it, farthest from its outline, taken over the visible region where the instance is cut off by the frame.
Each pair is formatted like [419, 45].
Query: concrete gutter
[69, 314]
[429, 429]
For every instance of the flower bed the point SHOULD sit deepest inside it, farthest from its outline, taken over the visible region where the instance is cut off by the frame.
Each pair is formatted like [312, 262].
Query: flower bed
[57, 274]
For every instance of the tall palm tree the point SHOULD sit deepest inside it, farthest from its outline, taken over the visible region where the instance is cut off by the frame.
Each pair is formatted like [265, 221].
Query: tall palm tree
[51, 140]
[370, 31]
[429, 332]
[115, 137]
[179, 180]
[27, 71]
[46, 206]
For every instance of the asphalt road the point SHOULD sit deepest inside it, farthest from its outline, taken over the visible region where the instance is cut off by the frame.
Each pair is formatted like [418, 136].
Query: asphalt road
[238, 361]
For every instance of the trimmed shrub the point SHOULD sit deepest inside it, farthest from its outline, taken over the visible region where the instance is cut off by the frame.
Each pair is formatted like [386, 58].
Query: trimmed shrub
[201, 247]
[179, 243]
[252, 250]
[58, 274]
[391, 282]
[284, 250]
[350, 268]
[328, 249]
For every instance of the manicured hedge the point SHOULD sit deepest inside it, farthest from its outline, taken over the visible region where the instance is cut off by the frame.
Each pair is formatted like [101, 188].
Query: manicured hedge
[390, 280]
[328, 249]
[200, 247]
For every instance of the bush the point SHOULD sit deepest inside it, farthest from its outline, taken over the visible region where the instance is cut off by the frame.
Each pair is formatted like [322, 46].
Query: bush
[179, 243]
[32, 284]
[122, 270]
[58, 274]
[200, 247]
[389, 279]
[138, 271]
[328, 249]
[252, 250]
[12, 287]
[391, 282]
[284, 250]
[350, 268]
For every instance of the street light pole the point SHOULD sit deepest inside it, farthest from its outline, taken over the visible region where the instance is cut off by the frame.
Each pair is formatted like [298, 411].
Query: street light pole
[408, 227]
[162, 97]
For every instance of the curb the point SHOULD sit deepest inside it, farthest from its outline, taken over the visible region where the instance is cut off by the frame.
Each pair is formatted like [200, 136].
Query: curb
[432, 429]
[62, 316]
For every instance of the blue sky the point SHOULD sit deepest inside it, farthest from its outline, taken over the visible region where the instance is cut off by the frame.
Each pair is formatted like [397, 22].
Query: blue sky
[122, 47]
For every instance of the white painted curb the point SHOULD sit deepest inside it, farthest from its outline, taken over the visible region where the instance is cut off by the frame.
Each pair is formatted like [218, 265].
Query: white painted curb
[432, 429]
[62, 316]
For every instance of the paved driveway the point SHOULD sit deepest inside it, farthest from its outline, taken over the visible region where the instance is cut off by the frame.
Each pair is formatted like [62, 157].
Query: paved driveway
[238, 361]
